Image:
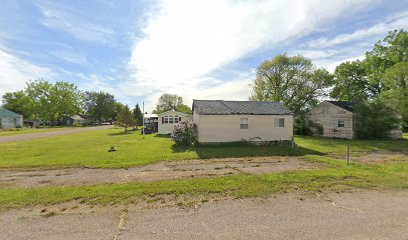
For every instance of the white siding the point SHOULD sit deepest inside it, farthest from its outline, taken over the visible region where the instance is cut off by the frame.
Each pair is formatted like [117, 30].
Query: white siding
[10, 122]
[166, 128]
[226, 128]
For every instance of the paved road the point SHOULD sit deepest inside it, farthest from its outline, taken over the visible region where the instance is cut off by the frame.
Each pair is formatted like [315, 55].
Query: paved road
[358, 215]
[29, 136]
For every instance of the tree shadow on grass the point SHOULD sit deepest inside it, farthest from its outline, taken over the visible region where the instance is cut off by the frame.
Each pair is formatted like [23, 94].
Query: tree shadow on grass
[121, 133]
[162, 135]
[244, 150]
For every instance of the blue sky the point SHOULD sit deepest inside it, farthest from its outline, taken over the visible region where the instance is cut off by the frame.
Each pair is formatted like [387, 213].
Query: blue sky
[138, 50]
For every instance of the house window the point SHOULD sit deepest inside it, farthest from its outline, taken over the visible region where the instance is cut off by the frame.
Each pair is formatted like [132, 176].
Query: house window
[166, 120]
[176, 119]
[279, 122]
[243, 123]
[340, 124]
[171, 119]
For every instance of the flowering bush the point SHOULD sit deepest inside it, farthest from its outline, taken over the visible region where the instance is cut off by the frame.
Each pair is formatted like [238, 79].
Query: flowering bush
[184, 133]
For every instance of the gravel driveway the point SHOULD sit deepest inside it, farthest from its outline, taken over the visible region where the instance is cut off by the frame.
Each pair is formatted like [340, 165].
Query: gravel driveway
[357, 215]
[29, 136]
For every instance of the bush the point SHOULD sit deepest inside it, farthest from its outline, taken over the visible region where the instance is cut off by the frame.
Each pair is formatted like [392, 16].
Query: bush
[374, 120]
[184, 133]
[304, 126]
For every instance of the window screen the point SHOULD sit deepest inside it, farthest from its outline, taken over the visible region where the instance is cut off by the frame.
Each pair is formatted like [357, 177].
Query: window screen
[244, 123]
[279, 122]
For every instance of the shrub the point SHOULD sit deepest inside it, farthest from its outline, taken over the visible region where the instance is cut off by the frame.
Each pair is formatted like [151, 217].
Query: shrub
[184, 133]
[304, 126]
[374, 120]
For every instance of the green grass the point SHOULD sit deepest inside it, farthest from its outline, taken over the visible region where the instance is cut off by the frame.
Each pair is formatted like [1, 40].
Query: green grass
[90, 149]
[337, 177]
[18, 131]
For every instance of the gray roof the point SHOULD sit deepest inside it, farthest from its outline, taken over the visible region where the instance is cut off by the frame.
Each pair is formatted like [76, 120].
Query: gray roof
[349, 106]
[5, 112]
[221, 107]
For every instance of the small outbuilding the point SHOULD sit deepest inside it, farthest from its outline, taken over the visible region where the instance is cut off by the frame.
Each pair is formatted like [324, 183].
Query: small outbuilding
[167, 120]
[9, 119]
[221, 121]
[336, 118]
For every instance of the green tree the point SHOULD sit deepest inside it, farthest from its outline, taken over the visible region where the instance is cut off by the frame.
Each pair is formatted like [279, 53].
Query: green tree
[44, 100]
[101, 105]
[385, 54]
[125, 118]
[292, 80]
[118, 107]
[396, 85]
[350, 82]
[20, 102]
[374, 119]
[169, 101]
[138, 115]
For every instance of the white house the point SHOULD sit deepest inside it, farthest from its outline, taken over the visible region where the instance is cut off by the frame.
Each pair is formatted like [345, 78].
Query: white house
[168, 119]
[232, 121]
[9, 119]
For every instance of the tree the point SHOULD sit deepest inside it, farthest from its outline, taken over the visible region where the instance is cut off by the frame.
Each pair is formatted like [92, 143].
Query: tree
[385, 54]
[125, 118]
[374, 120]
[292, 80]
[101, 105]
[350, 82]
[45, 100]
[138, 115]
[19, 102]
[169, 102]
[396, 85]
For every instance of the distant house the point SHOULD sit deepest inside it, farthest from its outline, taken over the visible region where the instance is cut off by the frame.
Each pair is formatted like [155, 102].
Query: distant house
[336, 118]
[168, 119]
[9, 119]
[78, 119]
[232, 121]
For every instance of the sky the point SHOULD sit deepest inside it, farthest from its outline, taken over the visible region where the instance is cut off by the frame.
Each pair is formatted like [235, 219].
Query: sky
[209, 49]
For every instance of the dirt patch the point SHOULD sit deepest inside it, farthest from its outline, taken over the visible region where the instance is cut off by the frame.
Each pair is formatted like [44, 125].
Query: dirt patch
[154, 172]
[380, 157]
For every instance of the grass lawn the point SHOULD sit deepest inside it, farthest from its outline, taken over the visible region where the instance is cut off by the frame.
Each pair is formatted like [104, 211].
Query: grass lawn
[338, 176]
[89, 149]
[17, 131]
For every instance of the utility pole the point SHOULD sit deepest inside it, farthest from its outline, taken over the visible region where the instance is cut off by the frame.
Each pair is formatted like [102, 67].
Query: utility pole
[143, 120]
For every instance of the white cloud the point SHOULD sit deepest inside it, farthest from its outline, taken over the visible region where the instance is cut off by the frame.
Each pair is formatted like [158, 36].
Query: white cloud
[62, 18]
[14, 72]
[72, 57]
[185, 41]
[373, 32]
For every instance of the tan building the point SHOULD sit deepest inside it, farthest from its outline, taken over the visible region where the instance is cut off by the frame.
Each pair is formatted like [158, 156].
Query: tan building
[232, 121]
[168, 119]
[336, 118]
